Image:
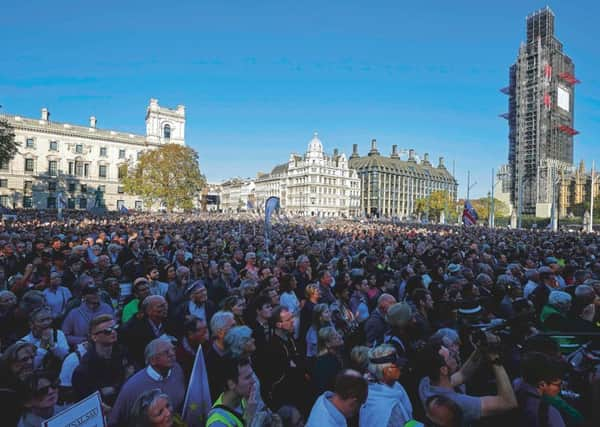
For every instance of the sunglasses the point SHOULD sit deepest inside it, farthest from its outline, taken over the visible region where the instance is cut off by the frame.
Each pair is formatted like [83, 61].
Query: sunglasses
[107, 331]
[44, 390]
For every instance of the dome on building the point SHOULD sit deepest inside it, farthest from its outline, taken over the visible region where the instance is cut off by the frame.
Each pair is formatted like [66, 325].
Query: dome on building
[315, 145]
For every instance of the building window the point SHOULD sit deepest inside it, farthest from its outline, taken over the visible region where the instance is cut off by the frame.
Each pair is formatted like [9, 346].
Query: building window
[29, 143]
[71, 203]
[120, 204]
[102, 188]
[139, 154]
[51, 203]
[103, 152]
[53, 146]
[51, 186]
[167, 131]
[121, 154]
[82, 203]
[4, 201]
[52, 168]
[120, 189]
[78, 168]
[71, 168]
[102, 171]
[138, 205]
[79, 149]
[4, 164]
[86, 169]
[71, 187]
[28, 165]
[83, 188]
[27, 202]
[3, 183]
[27, 186]
[122, 171]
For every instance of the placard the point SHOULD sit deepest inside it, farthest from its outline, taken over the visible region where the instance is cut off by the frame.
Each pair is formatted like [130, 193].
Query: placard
[85, 413]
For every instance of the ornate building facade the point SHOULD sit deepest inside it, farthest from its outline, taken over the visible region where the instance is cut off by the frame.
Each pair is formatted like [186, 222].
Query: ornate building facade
[313, 184]
[575, 192]
[79, 160]
[390, 186]
[237, 195]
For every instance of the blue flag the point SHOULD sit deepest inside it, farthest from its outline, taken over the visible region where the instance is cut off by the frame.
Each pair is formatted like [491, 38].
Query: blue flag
[197, 402]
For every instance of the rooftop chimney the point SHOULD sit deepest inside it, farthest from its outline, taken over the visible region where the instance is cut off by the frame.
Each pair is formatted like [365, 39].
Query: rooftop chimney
[395, 152]
[335, 152]
[45, 114]
[373, 150]
[354, 151]
[441, 163]
[93, 122]
[411, 155]
[426, 159]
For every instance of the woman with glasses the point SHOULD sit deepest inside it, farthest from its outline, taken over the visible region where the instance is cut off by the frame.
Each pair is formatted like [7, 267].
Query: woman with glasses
[40, 398]
[16, 364]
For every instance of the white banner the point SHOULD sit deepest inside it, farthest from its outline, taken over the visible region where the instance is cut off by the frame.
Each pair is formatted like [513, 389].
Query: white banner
[85, 413]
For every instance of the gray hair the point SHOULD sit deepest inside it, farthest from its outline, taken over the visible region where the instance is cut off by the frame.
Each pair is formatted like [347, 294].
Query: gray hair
[148, 300]
[378, 352]
[301, 259]
[325, 336]
[446, 336]
[560, 300]
[152, 348]
[139, 411]
[236, 339]
[219, 321]
[181, 270]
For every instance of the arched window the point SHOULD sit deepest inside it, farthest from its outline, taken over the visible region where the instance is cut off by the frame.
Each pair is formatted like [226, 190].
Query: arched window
[167, 131]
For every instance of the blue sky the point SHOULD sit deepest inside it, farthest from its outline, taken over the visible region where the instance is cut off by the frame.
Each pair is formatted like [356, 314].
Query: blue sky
[258, 78]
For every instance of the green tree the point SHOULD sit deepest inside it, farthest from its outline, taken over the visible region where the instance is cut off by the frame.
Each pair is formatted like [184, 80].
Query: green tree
[482, 206]
[434, 204]
[8, 145]
[169, 175]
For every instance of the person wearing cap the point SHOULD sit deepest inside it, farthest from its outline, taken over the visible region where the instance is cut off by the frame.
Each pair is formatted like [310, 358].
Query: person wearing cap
[197, 304]
[387, 403]
[77, 322]
[335, 408]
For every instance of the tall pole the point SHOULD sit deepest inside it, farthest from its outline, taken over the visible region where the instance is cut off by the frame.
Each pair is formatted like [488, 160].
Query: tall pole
[520, 202]
[591, 225]
[492, 202]
[468, 183]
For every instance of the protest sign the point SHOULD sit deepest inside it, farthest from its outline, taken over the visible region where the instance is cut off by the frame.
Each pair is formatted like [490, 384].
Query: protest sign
[85, 413]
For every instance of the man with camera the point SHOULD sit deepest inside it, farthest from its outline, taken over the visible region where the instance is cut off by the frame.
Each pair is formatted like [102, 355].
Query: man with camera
[443, 375]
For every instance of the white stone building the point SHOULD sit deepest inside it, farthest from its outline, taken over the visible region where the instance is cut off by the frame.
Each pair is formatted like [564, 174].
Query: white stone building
[313, 184]
[237, 195]
[78, 160]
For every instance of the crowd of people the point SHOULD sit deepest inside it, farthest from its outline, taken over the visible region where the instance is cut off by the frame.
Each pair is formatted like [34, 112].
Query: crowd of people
[324, 323]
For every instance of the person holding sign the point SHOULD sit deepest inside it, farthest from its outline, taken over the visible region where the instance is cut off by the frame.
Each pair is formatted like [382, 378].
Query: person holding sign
[40, 399]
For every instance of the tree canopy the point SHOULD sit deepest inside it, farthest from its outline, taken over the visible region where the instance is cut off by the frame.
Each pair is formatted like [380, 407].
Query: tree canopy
[435, 203]
[8, 145]
[169, 175]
